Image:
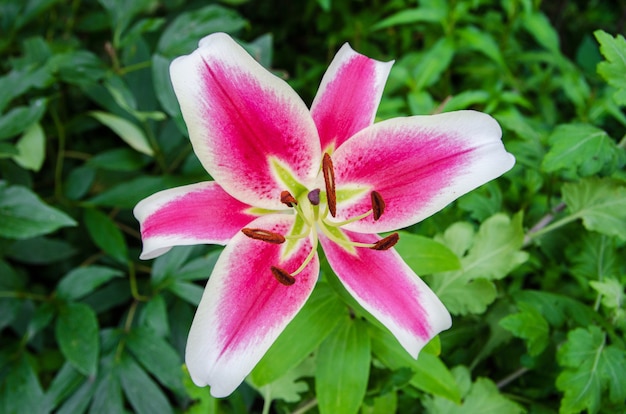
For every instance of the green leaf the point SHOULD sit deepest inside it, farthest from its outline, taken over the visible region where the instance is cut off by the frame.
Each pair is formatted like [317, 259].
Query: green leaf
[66, 383]
[582, 149]
[106, 235]
[143, 394]
[289, 386]
[538, 26]
[422, 14]
[433, 63]
[20, 118]
[79, 182]
[202, 400]
[612, 292]
[613, 69]
[481, 396]
[591, 368]
[492, 253]
[342, 372]
[425, 256]
[129, 132]
[429, 373]
[129, 193]
[31, 148]
[600, 203]
[157, 357]
[167, 265]
[556, 309]
[119, 159]
[23, 215]
[83, 280]
[163, 86]
[182, 35]
[20, 391]
[528, 324]
[189, 292]
[154, 316]
[312, 324]
[596, 259]
[107, 397]
[482, 42]
[40, 250]
[77, 334]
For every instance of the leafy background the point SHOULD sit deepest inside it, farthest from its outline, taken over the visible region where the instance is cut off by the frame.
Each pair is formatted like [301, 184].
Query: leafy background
[532, 266]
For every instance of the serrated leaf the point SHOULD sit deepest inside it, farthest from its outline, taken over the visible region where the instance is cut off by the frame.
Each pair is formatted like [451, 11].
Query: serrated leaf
[157, 357]
[129, 132]
[600, 203]
[77, 334]
[31, 148]
[84, 280]
[582, 149]
[312, 324]
[528, 324]
[595, 258]
[142, 393]
[493, 252]
[23, 215]
[425, 256]
[290, 385]
[429, 373]
[106, 235]
[611, 290]
[342, 368]
[556, 309]
[614, 68]
[591, 368]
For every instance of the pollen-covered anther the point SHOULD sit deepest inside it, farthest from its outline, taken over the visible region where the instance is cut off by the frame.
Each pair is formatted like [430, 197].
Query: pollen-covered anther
[287, 199]
[283, 276]
[386, 243]
[378, 205]
[264, 235]
[329, 180]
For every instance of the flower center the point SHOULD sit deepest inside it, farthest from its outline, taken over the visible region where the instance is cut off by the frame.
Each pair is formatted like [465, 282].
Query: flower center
[312, 216]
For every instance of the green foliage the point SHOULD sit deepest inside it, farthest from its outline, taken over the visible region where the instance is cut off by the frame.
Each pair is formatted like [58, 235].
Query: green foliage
[532, 265]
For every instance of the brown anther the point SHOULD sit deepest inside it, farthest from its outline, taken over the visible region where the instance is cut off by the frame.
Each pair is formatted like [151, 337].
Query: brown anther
[314, 197]
[386, 243]
[264, 235]
[283, 276]
[288, 199]
[378, 205]
[329, 179]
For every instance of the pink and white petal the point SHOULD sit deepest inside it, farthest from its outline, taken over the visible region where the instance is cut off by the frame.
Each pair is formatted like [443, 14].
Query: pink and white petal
[200, 213]
[418, 165]
[348, 96]
[239, 115]
[244, 308]
[389, 290]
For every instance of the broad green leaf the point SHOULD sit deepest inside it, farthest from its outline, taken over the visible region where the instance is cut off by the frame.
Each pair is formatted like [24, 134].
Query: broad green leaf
[84, 280]
[493, 252]
[189, 292]
[106, 235]
[290, 385]
[143, 394]
[126, 130]
[119, 159]
[182, 35]
[424, 255]
[31, 148]
[157, 357]
[482, 203]
[128, 194]
[154, 316]
[78, 67]
[596, 259]
[78, 401]
[382, 404]
[582, 149]
[538, 26]
[600, 203]
[342, 368]
[433, 63]
[311, 326]
[409, 16]
[556, 309]
[40, 250]
[167, 265]
[163, 86]
[20, 391]
[66, 383]
[77, 335]
[23, 215]
[429, 373]
[122, 12]
[613, 69]
[482, 396]
[20, 118]
[482, 42]
[591, 368]
[529, 325]
[202, 400]
[79, 182]
[612, 292]
[107, 397]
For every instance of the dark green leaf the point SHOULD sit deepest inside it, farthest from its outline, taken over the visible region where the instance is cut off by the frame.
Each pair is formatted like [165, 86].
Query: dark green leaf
[422, 14]
[528, 324]
[107, 397]
[614, 68]
[84, 280]
[119, 159]
[106, 235]
[79, 182]
[40, 250]
[128, 194]
[23, 215]
[342, 368]
[189, 292]
[144, 395]
[21, 118]
[77, 335]
[65, 384]
[20, 391]
[154, 316]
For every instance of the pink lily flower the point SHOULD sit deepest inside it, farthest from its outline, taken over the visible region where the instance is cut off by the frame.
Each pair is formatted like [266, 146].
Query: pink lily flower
[287, 179]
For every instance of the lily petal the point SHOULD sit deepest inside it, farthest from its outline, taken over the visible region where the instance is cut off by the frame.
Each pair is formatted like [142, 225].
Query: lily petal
[418, 165]
[239, 117]
[348, 97]
[389, 290]
[200, 213]
[244, 308]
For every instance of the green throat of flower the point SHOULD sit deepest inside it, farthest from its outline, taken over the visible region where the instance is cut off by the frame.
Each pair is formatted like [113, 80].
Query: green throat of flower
[312, 208]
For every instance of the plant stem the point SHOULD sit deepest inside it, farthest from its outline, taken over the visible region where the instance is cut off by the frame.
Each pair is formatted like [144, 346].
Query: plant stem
[306, 406]
[511, 377]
